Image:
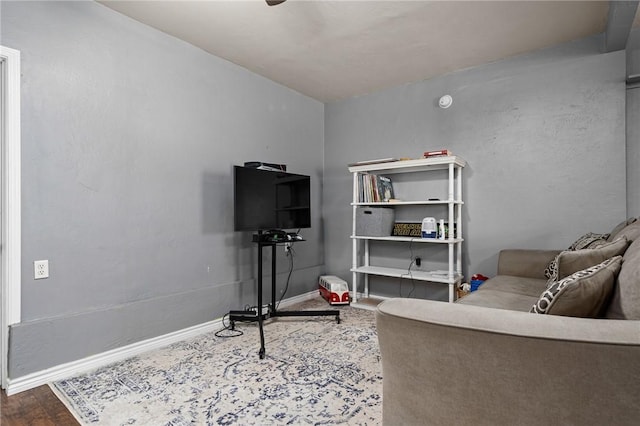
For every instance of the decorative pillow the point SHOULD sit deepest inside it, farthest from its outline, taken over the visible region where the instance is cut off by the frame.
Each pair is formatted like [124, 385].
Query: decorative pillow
[569, 262]
[581, 243]
[587, 240]
[583, 294]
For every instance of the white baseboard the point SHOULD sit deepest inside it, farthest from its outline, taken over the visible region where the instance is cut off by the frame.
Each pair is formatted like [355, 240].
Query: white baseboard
[70, 369]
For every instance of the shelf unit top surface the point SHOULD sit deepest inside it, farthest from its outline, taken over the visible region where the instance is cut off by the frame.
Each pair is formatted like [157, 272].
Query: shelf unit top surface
[406, 166]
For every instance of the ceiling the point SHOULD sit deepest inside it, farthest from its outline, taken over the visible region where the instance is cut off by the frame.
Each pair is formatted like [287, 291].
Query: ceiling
[331, 50]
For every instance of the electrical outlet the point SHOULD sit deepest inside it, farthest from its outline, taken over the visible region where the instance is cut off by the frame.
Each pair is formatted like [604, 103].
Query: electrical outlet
[287, 247]
[418, 262]
[40, 269]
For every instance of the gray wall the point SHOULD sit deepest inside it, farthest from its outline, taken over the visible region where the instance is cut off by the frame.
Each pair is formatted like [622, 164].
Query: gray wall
[633, 124]
[633, 54]
[633, 149]
[128, 141]
[543, 135]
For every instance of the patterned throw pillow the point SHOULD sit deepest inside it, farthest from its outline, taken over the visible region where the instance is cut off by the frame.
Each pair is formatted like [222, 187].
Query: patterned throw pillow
[583, 294]
[588, 240]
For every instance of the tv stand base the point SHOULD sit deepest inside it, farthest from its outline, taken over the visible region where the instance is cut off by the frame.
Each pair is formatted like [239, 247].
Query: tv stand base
[272, 312]
[250, 316]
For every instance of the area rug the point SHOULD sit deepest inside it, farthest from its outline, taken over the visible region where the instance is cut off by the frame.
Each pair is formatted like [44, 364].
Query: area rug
[315, 372]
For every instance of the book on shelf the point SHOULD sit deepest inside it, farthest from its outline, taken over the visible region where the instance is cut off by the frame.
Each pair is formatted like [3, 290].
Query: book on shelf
[374, 188]
[437, 153]
[385, 187]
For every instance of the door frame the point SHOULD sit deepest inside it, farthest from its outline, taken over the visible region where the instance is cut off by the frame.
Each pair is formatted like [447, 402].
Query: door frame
[10, 142]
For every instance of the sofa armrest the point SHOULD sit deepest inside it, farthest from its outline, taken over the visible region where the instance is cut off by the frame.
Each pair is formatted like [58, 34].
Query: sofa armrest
[525, 263]
[459, 364]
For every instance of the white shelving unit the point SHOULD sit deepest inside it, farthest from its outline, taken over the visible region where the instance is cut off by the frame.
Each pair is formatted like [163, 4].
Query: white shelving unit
[361, 267]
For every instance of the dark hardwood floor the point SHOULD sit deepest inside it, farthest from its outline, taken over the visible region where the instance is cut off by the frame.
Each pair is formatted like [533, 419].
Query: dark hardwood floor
[35, 407]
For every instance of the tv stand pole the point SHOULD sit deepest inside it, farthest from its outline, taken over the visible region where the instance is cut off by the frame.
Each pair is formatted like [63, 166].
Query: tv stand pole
[272, 308]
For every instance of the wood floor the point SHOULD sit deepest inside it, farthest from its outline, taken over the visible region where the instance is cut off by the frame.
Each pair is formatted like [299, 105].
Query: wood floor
[35, 407]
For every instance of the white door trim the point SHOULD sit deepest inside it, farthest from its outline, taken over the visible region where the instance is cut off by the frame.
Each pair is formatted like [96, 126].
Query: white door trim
[10, 285]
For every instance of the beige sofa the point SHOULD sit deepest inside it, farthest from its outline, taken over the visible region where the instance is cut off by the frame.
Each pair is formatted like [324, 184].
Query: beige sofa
[487, 360]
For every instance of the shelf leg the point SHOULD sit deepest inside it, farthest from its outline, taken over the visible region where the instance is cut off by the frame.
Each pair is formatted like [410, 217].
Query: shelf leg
[366, 263]
[354, 243]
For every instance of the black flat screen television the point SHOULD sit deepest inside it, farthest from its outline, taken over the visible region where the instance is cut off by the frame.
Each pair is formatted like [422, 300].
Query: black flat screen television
[265, 200]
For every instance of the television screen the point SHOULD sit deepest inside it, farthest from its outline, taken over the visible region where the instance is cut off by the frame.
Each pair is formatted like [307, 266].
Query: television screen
[265, 199]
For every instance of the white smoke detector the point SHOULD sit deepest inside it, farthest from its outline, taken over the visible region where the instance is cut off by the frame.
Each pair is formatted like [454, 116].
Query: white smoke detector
[445, 101]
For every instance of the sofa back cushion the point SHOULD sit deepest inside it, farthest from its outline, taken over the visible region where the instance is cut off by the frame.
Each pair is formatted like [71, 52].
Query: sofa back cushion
[625, 302]
[619, 227]
[631, 231]
[583, 294]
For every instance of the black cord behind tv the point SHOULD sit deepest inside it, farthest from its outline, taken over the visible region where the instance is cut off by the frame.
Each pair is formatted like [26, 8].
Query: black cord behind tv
[265, 200]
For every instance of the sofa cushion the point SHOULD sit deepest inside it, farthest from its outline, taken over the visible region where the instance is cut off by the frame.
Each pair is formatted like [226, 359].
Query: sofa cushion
[631, 231]
[506, 292]
[498, 299]
[625, 302]
[619, 227]
[582, 294]
[517, 285]
[586, 241]
[569, 262]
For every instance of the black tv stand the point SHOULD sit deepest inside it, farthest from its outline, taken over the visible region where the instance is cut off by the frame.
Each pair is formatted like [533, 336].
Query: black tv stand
[272, 312]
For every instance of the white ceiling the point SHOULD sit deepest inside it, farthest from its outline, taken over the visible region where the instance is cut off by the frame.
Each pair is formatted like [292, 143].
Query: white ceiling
[332, 50]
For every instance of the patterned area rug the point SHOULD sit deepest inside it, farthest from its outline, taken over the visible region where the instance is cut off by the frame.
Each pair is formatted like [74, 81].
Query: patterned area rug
[315, 372]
